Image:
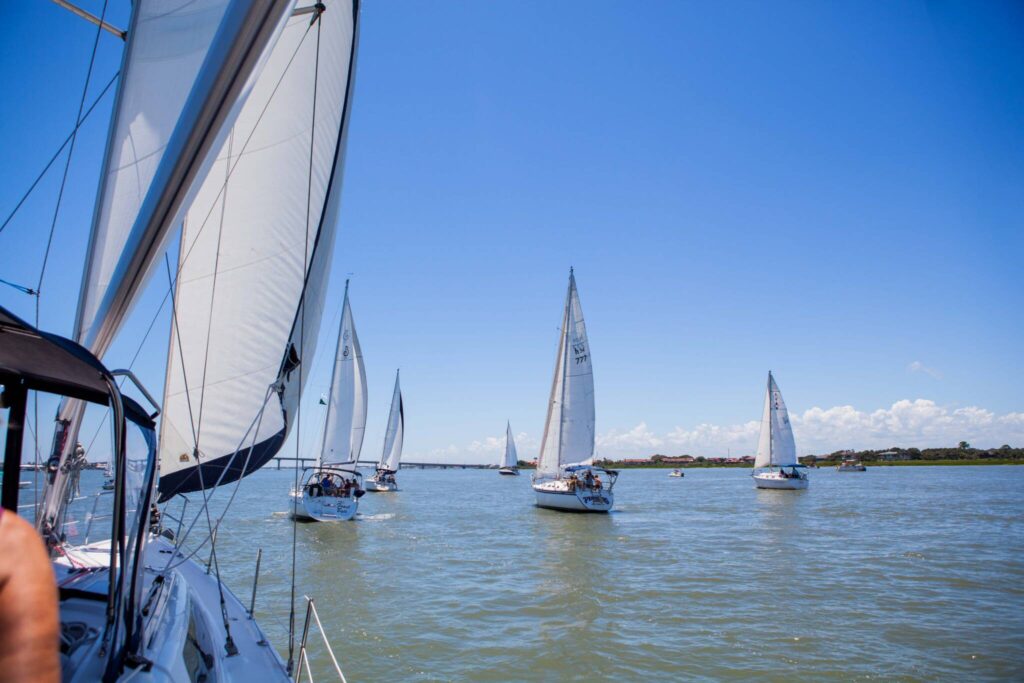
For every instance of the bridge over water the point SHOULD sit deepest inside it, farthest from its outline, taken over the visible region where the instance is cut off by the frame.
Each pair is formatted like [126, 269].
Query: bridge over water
[293, 462]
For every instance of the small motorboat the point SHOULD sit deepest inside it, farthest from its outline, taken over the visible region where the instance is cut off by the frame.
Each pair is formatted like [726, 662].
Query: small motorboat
[851, 466]
[677, 473]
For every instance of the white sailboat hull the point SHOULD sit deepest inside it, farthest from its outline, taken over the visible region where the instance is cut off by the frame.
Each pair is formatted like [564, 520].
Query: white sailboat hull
[510, 471]
[184, 616]
[774, 480]
[323, 508]
[555, 495]
[380, 486]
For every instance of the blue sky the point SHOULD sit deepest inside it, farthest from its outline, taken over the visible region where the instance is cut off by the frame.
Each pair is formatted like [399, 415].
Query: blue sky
[834, 191]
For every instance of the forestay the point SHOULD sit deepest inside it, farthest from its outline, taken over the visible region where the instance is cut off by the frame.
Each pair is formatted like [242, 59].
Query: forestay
[395, 433]
[569, 430]
[255, 250]
[776, 446]
[346, 402]
[511, 458]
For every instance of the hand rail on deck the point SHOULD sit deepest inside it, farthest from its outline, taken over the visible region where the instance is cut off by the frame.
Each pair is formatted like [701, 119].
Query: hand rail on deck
[311, 612]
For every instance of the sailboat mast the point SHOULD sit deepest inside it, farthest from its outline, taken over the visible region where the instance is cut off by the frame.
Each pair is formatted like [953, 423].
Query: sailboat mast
[771, 411]
[334, 377]
[565, 367]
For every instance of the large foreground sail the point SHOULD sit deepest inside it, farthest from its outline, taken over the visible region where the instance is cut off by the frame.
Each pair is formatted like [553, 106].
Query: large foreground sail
[255, 251]
[186, 67]
[346, 402]
[776, 446]
[395, 433]
[569, 429]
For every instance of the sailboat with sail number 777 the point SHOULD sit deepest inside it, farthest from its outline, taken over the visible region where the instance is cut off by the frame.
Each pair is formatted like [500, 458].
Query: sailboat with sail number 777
[331, 491]
[566, 478]
[776, 447]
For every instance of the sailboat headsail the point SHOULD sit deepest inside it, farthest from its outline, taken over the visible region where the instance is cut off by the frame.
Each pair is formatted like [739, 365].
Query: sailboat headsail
[776, 446]
[569, 430]
[186, 67]
[346, 403]
[255, 251]
[183, 75]
[511, 459]
[395, 433]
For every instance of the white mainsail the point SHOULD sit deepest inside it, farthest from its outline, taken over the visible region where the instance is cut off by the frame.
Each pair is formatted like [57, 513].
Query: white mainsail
[395, 433]
[511, 459]
[186, 67]
[255, 251]
[346, 402]
[776, 446]
[569, 430]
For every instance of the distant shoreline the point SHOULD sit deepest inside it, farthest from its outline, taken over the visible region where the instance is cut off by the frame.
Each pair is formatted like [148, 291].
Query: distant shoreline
[897, 463]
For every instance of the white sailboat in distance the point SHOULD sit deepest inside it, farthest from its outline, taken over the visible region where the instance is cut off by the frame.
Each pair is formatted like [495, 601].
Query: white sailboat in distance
[383, 480]
[510, 463]
[776, 447]
[331, 490]
[566, 478]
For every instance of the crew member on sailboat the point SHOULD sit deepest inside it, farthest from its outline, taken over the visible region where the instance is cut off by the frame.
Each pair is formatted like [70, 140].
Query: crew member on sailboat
[776, 447]
[567, 450]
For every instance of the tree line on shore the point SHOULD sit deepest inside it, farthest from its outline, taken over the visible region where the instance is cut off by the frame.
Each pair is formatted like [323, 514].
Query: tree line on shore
[894, 455]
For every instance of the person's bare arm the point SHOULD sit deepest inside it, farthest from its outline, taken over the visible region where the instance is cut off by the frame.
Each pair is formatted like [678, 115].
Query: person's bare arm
[29, 619]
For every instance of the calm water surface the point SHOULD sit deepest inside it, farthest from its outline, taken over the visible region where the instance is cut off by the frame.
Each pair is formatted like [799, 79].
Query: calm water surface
[900, 573]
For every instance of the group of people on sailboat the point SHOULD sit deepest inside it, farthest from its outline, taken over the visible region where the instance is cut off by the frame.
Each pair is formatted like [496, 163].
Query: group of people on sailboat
[336, 474]
[590, 481]
[333, 485]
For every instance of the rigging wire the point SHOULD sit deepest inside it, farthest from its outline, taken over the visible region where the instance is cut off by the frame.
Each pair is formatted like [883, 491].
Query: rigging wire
[302, 331]
[56, 212]
[229, 644]
[56, 154]
[192, 417]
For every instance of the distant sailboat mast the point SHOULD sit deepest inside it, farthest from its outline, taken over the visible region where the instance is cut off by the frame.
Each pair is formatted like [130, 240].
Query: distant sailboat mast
[345, 424]
[771, 450]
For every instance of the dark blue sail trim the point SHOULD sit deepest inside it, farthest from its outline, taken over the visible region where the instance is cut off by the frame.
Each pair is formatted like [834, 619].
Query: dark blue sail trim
[233, 466]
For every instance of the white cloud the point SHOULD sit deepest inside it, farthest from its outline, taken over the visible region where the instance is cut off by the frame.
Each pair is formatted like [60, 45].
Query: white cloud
[918, 366]
[639, 437]
[920, 422]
